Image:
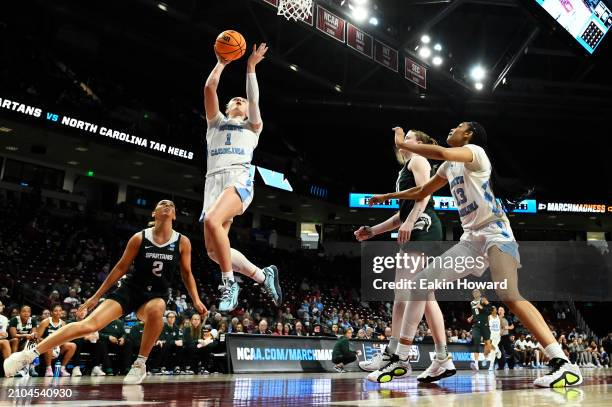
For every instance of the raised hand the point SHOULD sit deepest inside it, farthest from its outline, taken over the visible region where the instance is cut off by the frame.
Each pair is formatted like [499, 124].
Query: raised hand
[257, 55]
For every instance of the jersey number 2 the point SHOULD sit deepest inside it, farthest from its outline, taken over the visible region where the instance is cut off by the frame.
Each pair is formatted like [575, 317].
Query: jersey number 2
[228, 140]
[157, 268]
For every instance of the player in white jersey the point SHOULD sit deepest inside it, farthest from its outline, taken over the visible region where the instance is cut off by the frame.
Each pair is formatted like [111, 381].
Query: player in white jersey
[228, 191]
[487, 233]
[495, 328]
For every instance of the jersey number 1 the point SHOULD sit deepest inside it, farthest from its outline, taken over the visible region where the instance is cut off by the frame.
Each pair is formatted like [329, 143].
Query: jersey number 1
[157, 268]
[228, 140]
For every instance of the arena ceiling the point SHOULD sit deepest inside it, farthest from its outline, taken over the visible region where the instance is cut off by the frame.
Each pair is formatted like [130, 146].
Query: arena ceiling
[550, 111]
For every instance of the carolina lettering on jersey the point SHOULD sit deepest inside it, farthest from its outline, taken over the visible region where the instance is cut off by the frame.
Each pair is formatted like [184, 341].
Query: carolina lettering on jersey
[227, 150]
[230, 143]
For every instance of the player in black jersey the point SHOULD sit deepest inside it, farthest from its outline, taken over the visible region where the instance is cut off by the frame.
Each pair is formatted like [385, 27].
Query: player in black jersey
[49, 326]
[416, 221]
[156, 254]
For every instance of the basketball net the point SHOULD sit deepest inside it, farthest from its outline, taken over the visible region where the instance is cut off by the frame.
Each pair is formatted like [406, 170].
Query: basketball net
[298, 10]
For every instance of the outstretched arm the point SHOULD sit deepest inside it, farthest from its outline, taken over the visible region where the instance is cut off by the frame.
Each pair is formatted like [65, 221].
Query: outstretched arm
[252, 87]
[368, 232]
[188, 279]
[433, 152]
[416, 194]
[211, 100]
[122, 266]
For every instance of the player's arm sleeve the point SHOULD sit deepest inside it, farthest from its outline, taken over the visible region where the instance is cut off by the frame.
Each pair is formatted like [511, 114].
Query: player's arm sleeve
[252, 91]
[480, 161]
[442, 170]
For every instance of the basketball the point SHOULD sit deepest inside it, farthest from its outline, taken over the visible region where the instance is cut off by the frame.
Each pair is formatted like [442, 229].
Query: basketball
[230, 45]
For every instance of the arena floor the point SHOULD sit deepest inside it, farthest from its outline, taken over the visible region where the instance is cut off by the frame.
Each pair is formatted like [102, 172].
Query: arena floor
[349, 389]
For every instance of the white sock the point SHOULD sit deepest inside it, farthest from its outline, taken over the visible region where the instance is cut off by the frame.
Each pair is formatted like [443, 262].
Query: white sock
[554, 350]
[441, 351]
[242, 265]
[392, 346]
[226, 277]
[403, 351]
[141, 359]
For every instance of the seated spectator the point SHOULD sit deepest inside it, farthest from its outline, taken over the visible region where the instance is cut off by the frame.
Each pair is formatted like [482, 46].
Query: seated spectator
[5, 345]
[47, 327]
[361, 334]
[287, 316]
[299, 329]
[278, 330]
[172, 337]
[22, 328]
[117, 342]
[54, 298]
[72, 300]
[287, 329]
[342, 353]
[239, 329]
[262, 328]
[196, 346]
[5, 298]
[45, 314]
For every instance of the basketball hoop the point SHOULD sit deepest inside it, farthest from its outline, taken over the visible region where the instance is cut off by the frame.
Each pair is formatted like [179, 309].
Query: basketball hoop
[298, 10]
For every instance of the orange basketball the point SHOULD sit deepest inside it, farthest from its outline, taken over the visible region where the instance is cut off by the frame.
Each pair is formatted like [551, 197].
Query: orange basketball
[230, 45]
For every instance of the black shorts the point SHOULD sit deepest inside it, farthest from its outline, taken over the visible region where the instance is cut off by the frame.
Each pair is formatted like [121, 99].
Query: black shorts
[479, 333]
[132, 298]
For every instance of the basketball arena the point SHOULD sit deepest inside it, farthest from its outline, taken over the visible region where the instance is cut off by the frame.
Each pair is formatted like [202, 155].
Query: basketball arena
[305, 202]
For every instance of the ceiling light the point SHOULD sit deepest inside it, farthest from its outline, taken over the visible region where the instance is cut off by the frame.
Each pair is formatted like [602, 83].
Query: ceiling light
[438, 47]
[360, 13]
[425, 52]
[437, 60]
[73, 162]
[478, 73]
[425, 39]
[11, 148]
[135, 177]
[293, 67]
[478, 85]
[81, 149]
[5, 130]
[138, 163]
[162, 6]
[373, 20]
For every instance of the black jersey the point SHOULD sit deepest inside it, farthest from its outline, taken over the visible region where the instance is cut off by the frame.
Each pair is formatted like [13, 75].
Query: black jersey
[155, 266]
[51, 328]
[405, 180]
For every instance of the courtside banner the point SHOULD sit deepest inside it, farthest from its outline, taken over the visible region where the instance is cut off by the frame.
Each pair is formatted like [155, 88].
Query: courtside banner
[313, 354]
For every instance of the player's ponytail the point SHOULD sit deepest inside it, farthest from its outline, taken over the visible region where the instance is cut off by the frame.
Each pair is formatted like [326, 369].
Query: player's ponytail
[510, 191]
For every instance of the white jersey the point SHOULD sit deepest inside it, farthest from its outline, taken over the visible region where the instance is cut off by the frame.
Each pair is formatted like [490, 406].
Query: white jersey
[495, 326]
[229, 144]
[471, 188]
